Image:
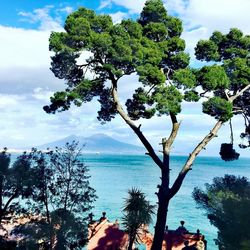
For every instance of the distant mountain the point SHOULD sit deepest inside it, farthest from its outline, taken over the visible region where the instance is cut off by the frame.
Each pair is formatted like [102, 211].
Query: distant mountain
[98, 143]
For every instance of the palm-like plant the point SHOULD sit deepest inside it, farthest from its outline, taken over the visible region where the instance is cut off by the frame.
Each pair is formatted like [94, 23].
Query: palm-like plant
[137, 212]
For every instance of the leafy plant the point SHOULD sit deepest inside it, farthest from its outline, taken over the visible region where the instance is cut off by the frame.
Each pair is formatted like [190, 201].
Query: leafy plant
[15, 181]
[61, 198]
[226, 202]
[137, 213]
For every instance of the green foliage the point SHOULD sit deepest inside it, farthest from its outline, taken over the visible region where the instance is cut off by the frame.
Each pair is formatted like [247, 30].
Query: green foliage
[70, 188]
[168, 100]
[207, 51]
[4, 161]
[231, 75]
[238, 69]
[15, 181]
[155, 31]
[219, 108]
[150, 75]
[136, 107]
[61, 197]
[153, 12]
[137, 213]
[174, 26]
[150, 47]
[108, 108]
[226, 202]
[213, 78]
[223, 47]
[191, 96]
[178, 60]
[184, 78]
[176, 44]
[151, 53]
[228, 153]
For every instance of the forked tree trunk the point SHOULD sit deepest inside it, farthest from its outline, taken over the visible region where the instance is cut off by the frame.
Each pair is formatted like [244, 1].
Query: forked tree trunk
[163, 203]
[160, 223]
[165, 192]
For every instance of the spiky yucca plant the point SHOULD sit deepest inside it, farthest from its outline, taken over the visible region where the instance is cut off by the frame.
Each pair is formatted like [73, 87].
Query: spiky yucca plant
[137, 212]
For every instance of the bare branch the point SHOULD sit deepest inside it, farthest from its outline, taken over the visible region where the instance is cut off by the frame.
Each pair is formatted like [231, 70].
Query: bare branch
[203, 94]
[232, 98]
[228, 98]
[167, 143]
[83, 65]
[132, 125]
[13, 196]
[150, 89]
[213, 133]
[178, 182]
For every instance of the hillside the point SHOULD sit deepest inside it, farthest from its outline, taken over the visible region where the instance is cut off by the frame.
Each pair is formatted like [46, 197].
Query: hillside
[98, 143]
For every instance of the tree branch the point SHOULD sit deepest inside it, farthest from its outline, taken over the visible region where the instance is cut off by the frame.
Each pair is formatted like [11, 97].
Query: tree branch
[132, 125]
[232, 98]
[178, 182]
[228, 98]
[9, 201]
[213, 133]
[168, 143]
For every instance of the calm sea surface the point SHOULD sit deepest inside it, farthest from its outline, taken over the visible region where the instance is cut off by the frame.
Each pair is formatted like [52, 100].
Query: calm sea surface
[113, 175]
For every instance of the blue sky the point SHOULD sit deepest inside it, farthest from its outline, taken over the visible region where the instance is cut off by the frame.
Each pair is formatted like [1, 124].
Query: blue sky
[14, 13]
[26, 82]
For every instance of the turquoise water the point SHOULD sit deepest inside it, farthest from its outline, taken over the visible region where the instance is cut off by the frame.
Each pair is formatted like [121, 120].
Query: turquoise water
[113, 175]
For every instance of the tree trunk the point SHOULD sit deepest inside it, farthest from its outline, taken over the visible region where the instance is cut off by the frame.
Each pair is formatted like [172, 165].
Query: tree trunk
[47, 212]
[1, 216]
[160, 223]
[131, 242]
[163, 202]
[1, 197]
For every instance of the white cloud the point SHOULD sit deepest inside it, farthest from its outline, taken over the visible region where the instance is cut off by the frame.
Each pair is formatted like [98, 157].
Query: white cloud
[9, 101]
[67, 9]
[132, 6]
[42, 16]
[25, 61]
[218, 14]
[25, 124]
[176, 6]
[118, 16]
[105, 4]
[42, 94]
[202, 17]
[23, 48]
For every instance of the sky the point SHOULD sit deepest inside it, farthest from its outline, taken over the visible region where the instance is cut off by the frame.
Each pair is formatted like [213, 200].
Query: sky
[26, 82]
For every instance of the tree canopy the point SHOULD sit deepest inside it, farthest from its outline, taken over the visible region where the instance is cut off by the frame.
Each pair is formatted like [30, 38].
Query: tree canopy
[232, 52]
[147, 47]
[226, 202]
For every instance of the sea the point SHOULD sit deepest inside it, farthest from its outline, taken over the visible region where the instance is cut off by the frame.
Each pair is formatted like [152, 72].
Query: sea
[113, 175]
